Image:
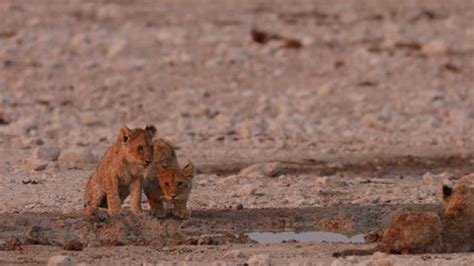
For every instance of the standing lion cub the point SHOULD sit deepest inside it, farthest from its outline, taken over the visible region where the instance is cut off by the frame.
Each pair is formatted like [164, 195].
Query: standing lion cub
[167, 182]
[120, 172]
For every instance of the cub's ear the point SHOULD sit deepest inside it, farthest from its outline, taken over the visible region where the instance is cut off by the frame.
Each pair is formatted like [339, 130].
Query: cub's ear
[151, 129]
[124, 134]
[188, 170]
[447, 191]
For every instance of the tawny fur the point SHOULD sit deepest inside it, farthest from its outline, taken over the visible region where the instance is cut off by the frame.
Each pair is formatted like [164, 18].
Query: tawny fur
[167, 182]
[452, 230]
[120, 172]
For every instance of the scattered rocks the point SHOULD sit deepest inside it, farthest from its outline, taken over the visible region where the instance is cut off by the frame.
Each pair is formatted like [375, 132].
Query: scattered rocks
[259, 260]
[60, 260]
[47, 153]
[11, 243]
[77, 157]
[263, 170]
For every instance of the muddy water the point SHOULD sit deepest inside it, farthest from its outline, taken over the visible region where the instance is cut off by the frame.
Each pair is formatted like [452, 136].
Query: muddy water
[205, 227]
[313, 236]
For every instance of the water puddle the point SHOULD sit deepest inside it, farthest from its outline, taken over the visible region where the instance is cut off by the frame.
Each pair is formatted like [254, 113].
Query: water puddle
[312, 236]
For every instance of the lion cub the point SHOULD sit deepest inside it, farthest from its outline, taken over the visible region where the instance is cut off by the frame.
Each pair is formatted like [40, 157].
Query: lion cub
[120, 172]
[167, 182]
[430, 232]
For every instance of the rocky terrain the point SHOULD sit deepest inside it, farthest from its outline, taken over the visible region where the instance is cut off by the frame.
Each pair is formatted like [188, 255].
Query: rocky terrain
[299, 115]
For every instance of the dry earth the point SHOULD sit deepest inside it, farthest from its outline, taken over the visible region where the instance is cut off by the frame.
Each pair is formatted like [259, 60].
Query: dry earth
[334, 115]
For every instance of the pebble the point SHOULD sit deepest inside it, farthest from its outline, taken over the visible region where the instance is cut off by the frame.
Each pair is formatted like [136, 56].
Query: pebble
[35, 164]
[247, 190]
[273, 169]
[236, 253]
[117, 47]
[28, 143]
[47, 152]
[435, 47]
[259, 260]
[90, 119]
[60, 260]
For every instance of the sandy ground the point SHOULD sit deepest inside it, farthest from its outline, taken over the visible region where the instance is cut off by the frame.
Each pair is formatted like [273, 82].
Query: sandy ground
[364, 113]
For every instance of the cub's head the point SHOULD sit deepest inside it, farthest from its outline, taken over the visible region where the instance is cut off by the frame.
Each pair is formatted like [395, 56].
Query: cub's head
[458, 201]
[175, 183]
[137, 144]
[164, 153]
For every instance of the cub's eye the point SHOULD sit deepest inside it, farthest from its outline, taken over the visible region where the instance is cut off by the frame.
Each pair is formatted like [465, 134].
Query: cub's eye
[140, 148]
[180, 183]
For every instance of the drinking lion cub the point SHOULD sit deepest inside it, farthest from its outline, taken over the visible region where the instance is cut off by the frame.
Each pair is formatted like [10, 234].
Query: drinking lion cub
[428, 232]
[166, 181]
[120, 172]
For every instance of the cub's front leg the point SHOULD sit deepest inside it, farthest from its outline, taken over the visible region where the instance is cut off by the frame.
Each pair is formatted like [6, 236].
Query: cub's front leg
[180, 210]
[157, 208]
[113, 197]
[136, 195]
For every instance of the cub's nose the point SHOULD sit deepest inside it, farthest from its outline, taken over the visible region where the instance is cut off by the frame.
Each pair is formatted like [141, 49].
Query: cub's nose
[148, 162]
[173, 196]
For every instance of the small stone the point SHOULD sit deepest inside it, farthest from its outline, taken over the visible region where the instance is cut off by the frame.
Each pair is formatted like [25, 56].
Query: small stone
[47, 152]
[74, 245]
[228, 181]
[3, 117]
[239, 206]
[77, 157]
[219, 263]
[236, 253]
[259, 260]
[338, 262]
[247, 190]
[117, 47]
[34, 164]
[263, 170]
[435, 47]
[90, 119]
[382, 259]
[31, 142]
[60, 260]
[428, 178]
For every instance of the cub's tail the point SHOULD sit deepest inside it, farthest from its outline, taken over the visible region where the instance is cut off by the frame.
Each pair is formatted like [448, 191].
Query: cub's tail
[354, 252]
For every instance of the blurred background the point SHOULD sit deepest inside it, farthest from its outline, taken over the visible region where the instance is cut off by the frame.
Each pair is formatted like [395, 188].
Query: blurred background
[241, 79]
[306, 107]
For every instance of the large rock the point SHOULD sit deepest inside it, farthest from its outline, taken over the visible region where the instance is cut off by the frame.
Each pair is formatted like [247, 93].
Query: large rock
[77, 157]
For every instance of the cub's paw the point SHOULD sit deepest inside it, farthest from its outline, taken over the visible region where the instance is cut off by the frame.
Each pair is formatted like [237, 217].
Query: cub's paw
[182, 214]
[160, 214]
